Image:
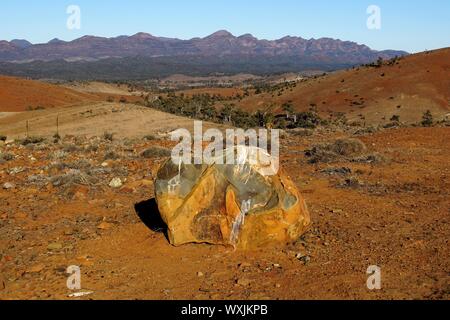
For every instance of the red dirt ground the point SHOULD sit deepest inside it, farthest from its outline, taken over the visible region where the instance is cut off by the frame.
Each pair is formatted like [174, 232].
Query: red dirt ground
[17, 94]
[397, 218]
[417, 83]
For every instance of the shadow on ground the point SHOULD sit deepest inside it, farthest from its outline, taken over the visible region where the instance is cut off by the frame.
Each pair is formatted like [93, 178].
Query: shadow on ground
[149, 214]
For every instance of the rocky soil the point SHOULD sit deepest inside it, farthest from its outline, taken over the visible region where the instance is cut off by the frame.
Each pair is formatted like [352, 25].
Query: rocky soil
[88, 201]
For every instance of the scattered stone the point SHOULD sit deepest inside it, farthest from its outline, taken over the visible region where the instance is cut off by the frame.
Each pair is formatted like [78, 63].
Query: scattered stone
[20, 215]
[68, 232]
[8, 186]
[115, 183]
[244, 282]
[36, 269]
[15, 170]
[352, 182]
[55, 246]
[104, 226]
[337, 171]
[244, 265]
[200, 274]
[276, 265]
[80, 294]
[304, 259]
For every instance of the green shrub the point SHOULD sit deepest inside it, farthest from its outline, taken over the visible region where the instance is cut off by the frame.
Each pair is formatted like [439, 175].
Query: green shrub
[427, 119]
[108, 136]
[156, 152]
[339, 149]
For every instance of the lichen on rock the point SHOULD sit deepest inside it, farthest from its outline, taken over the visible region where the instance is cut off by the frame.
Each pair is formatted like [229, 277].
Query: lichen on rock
[241, 205]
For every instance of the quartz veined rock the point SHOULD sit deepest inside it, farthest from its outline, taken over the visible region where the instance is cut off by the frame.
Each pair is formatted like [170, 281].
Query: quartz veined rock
[244, 205]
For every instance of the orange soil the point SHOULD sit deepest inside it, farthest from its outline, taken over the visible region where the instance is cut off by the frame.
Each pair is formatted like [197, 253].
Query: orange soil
[397, 219]
[18, 94]
[418, 83]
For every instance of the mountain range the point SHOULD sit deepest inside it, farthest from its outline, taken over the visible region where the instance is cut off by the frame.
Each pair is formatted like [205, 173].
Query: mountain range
[220, 49]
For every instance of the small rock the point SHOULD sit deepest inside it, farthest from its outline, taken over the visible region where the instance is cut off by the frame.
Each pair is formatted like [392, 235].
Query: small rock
[244, 265]
[21, 215]
[200, 274]
[55, 246]
[9, 185]
[278, 285]
[80, 294]
[276, 265]
[68, 232]
[36, 269]
[104, 226]
[105, 164]
[305, 259]
[115, 183]
[244, 282]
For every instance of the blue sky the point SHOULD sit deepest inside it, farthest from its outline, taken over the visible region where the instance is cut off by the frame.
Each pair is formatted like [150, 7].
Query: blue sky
[412, 25]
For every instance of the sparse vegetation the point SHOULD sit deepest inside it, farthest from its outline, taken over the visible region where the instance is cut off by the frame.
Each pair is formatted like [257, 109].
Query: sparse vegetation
[111, 155]
[150, 137]
[6, 156]
[340, 149]
[427, 119]
[156, 152]
[70, 148]
[395, 118]
[31, 141]
[108, 136]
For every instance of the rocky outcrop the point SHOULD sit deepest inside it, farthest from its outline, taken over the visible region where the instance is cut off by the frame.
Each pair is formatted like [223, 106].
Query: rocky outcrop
[238, 205]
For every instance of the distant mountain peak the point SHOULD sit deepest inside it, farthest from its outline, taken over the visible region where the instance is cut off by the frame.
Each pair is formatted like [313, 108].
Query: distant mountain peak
[142, 35]
[21, 43]
[248, 36]
[220, 34]
[55, 41]
[221, 43]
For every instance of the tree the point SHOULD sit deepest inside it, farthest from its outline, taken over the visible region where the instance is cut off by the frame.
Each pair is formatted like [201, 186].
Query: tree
[427, 119]
[395, 118]
[227, 112]
[380, 62]
[288, 108]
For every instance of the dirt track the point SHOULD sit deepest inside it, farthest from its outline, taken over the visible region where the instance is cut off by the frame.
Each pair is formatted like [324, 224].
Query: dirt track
[396, 217]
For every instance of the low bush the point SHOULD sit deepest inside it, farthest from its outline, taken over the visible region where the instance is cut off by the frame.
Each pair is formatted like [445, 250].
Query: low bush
[156, 152]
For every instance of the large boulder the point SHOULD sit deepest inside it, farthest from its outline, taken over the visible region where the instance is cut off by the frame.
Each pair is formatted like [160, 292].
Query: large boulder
[239, 205]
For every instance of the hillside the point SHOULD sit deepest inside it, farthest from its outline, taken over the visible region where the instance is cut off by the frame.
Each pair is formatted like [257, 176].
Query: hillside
[18, 94]
[407, 88]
